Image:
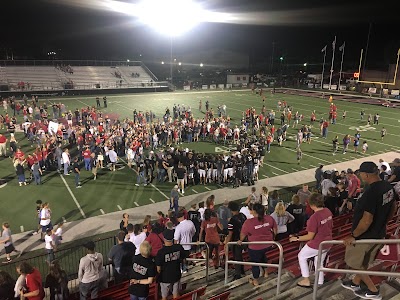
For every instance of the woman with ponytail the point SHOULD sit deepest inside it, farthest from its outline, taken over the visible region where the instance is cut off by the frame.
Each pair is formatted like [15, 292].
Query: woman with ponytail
[260, 228]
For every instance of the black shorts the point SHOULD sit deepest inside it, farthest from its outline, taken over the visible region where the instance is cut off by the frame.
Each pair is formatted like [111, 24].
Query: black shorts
[10, 248]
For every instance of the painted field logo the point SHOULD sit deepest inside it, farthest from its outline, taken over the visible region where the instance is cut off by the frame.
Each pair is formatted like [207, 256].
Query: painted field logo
[362, 128]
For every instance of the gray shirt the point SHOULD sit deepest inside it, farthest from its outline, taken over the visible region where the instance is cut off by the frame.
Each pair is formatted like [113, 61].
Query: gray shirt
[7, 234]
[174, 195]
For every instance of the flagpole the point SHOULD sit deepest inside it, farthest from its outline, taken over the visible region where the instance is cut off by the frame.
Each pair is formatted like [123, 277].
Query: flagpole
[323, 69]
[333, 60]
[341, 63]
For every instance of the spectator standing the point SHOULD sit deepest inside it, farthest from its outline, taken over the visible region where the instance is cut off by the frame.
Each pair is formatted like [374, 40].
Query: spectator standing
[264, 197]
[90, 268]
[124, 223]
[113, 157]
[374, 209]
[155, 239]
[273, 201]
[142, 274]
[184, 233]
[234, 227]
[260, 228]
[168, 262]
[304, 194]
[3, 144]
[327, 183]
[121, 255]
[298, 211]
[66, 161]
[181, 173]
[332, 201]
[395, 174]
[136, 235]
[319, 177]
[174, 201]
[252, 198]
[20, 283]
[224, 214]
[282, 218]
[8, 242]
[319, 229]
[6, 286]
[195, 217]
[77, 171]
[353, 186]
[33, 281]
[37, 173]
[210, 226]
[57, 282]
[246, 211]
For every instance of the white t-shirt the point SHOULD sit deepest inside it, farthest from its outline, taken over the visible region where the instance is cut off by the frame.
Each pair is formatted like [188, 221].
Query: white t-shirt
[48, 239]
[184, 233]
[264, 199]
[65, 157]
[59, 232]
[45, 213]
[245, 210]
[137, 240]
[201, 211]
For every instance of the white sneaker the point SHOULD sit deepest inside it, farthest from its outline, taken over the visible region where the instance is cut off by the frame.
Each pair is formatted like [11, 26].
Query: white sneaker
[136, 184]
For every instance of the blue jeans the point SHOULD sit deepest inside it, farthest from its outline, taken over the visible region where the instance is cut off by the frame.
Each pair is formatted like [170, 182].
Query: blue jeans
[139, 177]
[66, 167]
[88, 167]
[37, 178]
[77, 179]
[90, 288]
[133, 297]
[257, 256]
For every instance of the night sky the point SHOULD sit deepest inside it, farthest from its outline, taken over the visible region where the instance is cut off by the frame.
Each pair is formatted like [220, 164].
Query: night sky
[298, 29]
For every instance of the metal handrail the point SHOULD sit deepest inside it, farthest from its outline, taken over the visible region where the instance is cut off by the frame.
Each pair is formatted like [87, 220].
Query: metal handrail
[319, 268]
[201, 259]
[246, 263]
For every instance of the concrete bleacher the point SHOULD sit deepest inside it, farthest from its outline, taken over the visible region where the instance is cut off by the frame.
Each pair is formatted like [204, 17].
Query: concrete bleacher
[127, 72]
[38, 77]
[86, 77]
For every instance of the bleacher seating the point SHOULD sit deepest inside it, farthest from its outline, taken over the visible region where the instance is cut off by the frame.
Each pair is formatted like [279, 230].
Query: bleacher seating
[36, 77]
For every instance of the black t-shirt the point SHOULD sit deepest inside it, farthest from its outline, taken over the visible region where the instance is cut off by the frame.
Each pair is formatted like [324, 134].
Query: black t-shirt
[235, 225]
[121, 256]
[76, 167]
[143, 268]
[332, 203]
[180, 172]
[377, 199]
[141, 166]
[169, 258]
[298, 211]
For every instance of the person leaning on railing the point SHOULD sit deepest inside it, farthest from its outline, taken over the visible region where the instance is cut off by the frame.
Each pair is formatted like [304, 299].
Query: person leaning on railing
[319, 229]
[374, 209]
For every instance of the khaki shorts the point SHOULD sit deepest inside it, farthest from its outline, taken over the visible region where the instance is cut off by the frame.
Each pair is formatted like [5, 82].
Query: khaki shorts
[166, 288]
[360, 256]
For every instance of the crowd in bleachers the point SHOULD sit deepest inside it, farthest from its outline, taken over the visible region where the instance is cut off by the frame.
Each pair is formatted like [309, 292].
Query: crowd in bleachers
[135, 75]
[65, 68]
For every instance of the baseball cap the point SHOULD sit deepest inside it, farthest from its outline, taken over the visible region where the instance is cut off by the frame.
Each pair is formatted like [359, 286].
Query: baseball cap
[396, 161]
[168, 235]
[89, 245]
[368, 167]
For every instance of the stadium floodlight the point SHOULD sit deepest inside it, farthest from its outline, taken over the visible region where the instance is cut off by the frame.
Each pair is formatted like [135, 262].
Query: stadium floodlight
[305, 64]
[281, 58]
[180, 63]
[162, 62]
[201, 65]
[171, 18]
[127, 60]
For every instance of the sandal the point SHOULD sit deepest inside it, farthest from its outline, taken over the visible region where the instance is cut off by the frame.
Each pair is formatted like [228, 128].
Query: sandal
[253, 282]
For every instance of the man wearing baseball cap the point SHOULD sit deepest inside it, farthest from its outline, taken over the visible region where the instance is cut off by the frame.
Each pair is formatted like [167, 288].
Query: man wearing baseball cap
[395, 171]
[374, 209]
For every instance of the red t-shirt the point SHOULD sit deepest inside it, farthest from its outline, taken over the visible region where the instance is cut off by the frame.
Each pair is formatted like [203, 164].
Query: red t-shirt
[259, 231]
[3, 139]
[210, 227]
[34, 283]
[156, 242]
[86, 153]
[321, 223]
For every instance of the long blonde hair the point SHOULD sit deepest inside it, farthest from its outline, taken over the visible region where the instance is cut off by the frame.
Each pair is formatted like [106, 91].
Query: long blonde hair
[280, 209]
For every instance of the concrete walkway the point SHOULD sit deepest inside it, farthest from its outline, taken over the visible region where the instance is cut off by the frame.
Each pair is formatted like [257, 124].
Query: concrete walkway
[105, 223]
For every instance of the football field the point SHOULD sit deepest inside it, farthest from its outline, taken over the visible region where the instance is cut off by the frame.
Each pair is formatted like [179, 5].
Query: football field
[114, 191]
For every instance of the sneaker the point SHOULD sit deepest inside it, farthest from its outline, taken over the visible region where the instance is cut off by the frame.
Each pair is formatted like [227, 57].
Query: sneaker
[79, 186]
[136, 184]
[145, 184]
[367, 294]
[348, 284]
[7, 261]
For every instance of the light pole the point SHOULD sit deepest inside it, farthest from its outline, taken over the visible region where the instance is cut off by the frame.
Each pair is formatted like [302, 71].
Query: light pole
[170, 66]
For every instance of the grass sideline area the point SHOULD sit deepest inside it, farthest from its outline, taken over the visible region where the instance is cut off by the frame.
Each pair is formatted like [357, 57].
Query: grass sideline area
[114, 191]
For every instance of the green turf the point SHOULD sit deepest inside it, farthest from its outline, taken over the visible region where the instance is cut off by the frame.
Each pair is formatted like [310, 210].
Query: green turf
[113, 189]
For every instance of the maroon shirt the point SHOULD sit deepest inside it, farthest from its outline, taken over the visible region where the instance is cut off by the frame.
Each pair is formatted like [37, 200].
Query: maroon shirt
[156, 242]
[321, 223]
[211, 229]
[259, 231]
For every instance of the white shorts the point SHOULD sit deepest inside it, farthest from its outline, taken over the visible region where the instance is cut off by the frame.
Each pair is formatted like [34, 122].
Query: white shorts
[230, 172]
[255, 169]
[226, 172]
[202, 173]
[209, 173]
[214, 173]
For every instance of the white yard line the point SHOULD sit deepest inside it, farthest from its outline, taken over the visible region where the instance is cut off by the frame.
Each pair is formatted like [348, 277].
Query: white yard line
[283, 171]
[304, 168]
[152, 201]
[119, 207]
[64, 220]
[295, 170]
[194, 191]
[275, 173]
[136, 203]
[102, 212]
[207, 188]
[73, 196]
